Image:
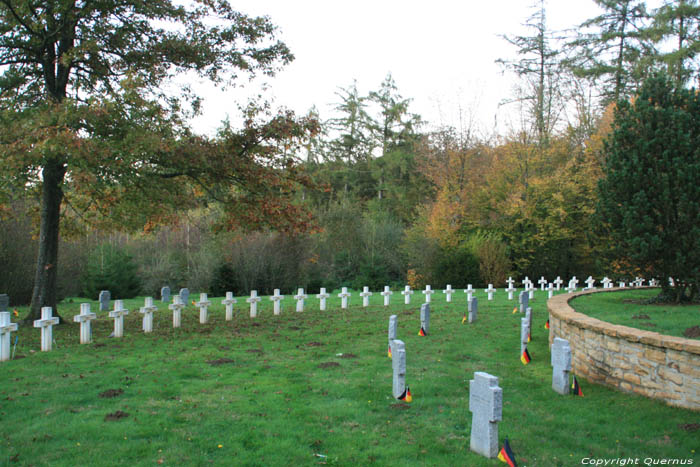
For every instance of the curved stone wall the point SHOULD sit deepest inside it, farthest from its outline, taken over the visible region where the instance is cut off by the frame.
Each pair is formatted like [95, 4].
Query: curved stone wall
[629, 359]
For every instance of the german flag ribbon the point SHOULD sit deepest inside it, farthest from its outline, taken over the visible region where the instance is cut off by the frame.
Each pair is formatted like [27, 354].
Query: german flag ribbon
[525, 357]
[506, 455]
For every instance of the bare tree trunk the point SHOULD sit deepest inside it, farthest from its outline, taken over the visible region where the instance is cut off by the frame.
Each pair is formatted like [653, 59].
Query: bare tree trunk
[44, 293]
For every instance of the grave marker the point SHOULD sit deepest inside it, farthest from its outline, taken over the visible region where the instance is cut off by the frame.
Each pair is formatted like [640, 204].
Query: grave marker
[84, 319]
[104, 299]
[147, 312]
[165, 294]
[386, 294]
[524, 300]
[185, 295]
[323, 296]
[524, 334]
[393, 328]
[561, 365]
[277, 302]
[486, 406]
[531, 290]
[229, 301]
[300, 297]
[470, 292]
[542, 283]
[253, 300]
[6, 328]
[621, 285]
[365, 294]
[427, 292]
[398, 365]
[203, 305]
[448, 293]
[46, 324]
[472, 307]
[177, 307]
[590, 282]
[118, 315]
[550, 290]
[407, 292]
[510, 291]
[490, 291]
[425, 318]
[344, 295]
[558, 282]
[607, 283]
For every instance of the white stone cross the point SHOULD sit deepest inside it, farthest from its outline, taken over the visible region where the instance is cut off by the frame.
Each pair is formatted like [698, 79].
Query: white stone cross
[531, 289]
[448, 293]
[571, 287]
[621, 284]
[344, 295]
[561, 365]
[46, 324]
[203, 305]
[323, 296]
[6, 328]
[229, 301]
[147, 312]
[300, 297]
[510, 290]
[590, 281]
[558, 282]
[542, 283]
[177, 307]
[510, 282]
[386, 294]
[253, 300]
[276, 300]
[407, 292]
[427, 292]
[84, 319]
[607, 283]
[486, 406]
[470, 292]
[526, 282]
[118, 315]
[490, 291]
[550, 290]
[574, 282]
[365, 294]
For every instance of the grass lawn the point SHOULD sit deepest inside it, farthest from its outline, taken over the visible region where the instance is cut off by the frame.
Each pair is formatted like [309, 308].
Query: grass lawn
[627, 308]
[311, 388]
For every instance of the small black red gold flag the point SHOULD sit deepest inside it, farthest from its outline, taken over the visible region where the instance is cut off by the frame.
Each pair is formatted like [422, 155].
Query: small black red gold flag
[575, 388]
[422, 332]
[464, 319]
[525, 357]
[529, 337]
[406, 396]
[506, 455]
[515, 310]
[389, 353]
[546, 325]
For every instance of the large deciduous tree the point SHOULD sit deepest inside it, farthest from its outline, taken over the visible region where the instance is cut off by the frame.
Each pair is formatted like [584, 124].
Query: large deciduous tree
[87, 128]
[649, 198]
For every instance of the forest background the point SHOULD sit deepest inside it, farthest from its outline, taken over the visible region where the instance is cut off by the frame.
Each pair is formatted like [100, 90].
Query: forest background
[395, 204]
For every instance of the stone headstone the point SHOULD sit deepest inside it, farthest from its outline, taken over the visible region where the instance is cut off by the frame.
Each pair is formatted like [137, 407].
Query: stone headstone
[229, 301]
[524, 334]
[6, 328]
[448, 293]
[365, 294]
[4, 302]
[165, 294]
[558, 282]
[104, 299]
[147, 311]
[542, 283]
[393, 328]
[253, 300]
[490, 291]
[177, 307]
[46, 324]
[550, 290]
[203, 305]
[84, 319]
[428, 292]
[398, 365]
[407, 292]
[561, 365]
[510, 291]
[473, 306]
[185, 296]
[387, 293]
[322, 297]
[344, 296]
[524, 300]
[486, 406]
[470, 292]
[590, 283]
[425, 317]
[528, 315]
[277, 302]
[118, 315]
[300, 297]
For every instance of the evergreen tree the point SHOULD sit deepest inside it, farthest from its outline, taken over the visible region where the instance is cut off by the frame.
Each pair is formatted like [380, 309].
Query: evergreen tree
[650, 197]
[678, 21]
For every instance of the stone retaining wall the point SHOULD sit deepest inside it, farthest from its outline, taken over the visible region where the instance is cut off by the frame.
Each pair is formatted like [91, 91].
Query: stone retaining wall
[629, 359]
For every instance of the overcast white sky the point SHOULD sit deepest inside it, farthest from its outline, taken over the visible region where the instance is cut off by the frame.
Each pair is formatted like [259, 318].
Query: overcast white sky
[441, 54]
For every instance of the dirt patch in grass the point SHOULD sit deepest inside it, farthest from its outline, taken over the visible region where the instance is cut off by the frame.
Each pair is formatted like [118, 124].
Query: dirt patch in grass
[220, 361]
[112, 417]
[690, 426]
[255, 325]
[18, 356]
[692, 332]
[293, 328]
[257, 351]
[109, 393]
[648, 325]
[400, 406]
[347, 355]
[407, 312]
[328, 364]
[640, 316]
[314, 344]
